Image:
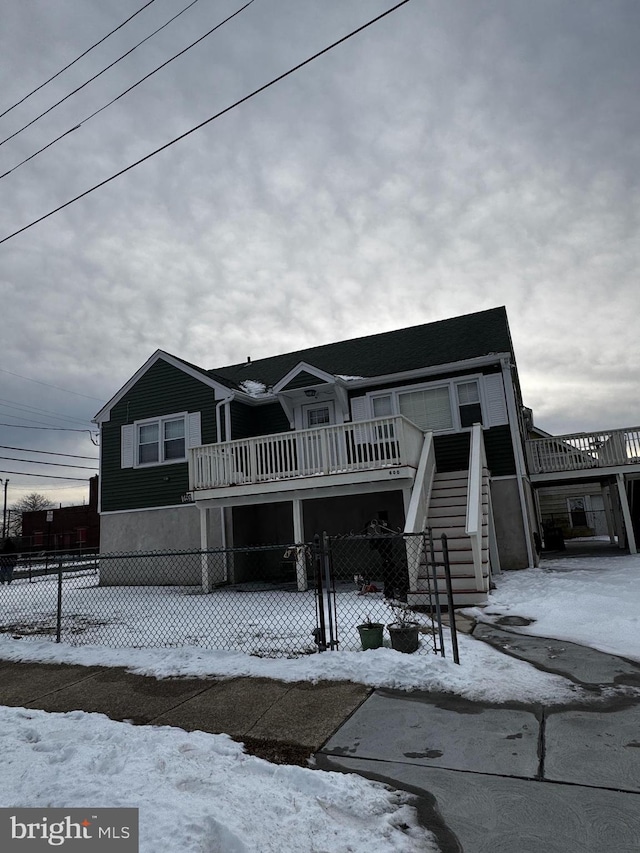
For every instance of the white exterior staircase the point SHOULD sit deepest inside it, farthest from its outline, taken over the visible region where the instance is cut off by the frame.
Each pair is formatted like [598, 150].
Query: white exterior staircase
[447, 513]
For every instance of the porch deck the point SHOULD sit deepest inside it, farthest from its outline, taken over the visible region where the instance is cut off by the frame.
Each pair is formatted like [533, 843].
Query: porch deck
[377, 445]
[578, 454]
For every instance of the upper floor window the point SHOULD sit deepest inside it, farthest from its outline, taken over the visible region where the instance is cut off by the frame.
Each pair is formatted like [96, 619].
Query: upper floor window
[445, 406]
[469, 403]
[161, 440]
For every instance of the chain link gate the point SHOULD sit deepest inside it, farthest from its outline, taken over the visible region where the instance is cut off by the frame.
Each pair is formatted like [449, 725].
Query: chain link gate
[382, 578]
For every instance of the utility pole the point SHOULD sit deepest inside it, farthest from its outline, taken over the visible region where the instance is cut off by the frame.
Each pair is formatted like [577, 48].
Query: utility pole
[4, 511]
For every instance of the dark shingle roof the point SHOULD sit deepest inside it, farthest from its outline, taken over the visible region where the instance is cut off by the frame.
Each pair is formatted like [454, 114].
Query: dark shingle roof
[445, 341]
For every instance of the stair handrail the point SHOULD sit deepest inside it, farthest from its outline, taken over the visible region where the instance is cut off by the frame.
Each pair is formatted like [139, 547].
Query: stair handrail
[418, 509]
[473, 528]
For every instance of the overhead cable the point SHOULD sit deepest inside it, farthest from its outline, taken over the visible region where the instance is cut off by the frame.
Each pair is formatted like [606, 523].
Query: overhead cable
[48, 476]
[125, 92]
[95, 77]
[57, 464]
[205, 122]
[77, 59]
[47, 452]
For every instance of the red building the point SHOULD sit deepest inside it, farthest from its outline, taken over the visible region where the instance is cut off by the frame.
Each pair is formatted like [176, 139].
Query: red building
[66, 527]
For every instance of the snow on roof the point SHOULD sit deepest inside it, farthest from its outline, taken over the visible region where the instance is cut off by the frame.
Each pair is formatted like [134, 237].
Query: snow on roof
[254, 388]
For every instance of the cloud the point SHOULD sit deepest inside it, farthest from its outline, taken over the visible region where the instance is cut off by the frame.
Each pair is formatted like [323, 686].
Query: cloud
[451, 158]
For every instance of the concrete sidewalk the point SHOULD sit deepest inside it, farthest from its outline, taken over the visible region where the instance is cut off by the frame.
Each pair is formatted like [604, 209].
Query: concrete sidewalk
[511, 778]
[280, 721]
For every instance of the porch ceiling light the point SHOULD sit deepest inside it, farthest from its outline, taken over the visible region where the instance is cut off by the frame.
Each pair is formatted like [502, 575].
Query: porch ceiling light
[310, 392]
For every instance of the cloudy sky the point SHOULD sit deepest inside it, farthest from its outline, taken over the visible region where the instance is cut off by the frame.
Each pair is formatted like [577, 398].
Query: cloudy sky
[453, 157]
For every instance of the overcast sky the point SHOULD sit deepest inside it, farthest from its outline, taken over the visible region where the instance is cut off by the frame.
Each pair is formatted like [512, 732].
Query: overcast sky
[453, 157]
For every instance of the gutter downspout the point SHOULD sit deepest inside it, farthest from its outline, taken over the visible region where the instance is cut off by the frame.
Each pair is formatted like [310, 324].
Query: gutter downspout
[505, 364]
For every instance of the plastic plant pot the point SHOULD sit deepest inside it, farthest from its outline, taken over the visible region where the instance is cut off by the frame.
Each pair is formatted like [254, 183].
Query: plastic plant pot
[404, 636]
[371, 634]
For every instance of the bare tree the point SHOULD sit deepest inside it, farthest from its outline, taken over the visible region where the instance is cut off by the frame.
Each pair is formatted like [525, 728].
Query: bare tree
[29, 503]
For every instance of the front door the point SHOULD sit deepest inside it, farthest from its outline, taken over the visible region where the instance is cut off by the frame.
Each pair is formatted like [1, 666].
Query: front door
[317, 447]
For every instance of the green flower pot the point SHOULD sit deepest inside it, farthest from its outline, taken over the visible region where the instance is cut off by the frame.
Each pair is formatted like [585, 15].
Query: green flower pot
[371, 635]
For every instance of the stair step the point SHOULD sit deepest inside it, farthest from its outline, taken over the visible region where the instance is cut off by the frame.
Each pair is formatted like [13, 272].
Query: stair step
[463, 583]
[458, 557]
[446, 490]
[461, 598]
[451, 475]
[447, 511]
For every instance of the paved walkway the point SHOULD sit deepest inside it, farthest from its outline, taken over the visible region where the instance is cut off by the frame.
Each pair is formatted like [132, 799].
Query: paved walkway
[280, 721]
[511, 778]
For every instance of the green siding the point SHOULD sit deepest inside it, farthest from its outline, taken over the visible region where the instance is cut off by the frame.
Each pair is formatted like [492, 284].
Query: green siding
[303, 380]
[499, 450]
[452, 451]
[162, 390]
[248, 421]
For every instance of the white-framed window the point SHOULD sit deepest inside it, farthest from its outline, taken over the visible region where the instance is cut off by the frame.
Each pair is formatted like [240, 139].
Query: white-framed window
[440, 406]
[159, 441]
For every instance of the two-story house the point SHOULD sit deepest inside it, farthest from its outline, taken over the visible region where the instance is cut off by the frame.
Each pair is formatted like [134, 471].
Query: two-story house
[419, 426]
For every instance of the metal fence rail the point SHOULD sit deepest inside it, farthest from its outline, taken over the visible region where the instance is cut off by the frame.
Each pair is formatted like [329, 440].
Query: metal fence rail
[254, 600]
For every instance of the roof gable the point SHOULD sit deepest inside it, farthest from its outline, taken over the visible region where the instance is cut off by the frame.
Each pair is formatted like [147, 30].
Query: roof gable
[303, 375]
[191, 370]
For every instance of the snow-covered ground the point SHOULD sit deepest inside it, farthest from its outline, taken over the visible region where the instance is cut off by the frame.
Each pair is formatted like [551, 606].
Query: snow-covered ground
[591, 601]
[203, 791]
[196, 792]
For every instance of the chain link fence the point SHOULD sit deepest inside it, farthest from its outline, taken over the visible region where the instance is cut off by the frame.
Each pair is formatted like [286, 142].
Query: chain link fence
[271, 601]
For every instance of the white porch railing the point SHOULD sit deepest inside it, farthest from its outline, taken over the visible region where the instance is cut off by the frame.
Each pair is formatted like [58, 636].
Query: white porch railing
[475, 514]
[583, 450]
[337, 449]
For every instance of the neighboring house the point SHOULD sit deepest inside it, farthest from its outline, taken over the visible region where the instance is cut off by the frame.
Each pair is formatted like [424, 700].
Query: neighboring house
[279, 449]
[587, 484]
[69, 527]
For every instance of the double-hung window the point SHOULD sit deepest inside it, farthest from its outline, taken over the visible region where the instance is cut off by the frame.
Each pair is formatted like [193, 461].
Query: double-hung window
[161, 440]
[469, 403]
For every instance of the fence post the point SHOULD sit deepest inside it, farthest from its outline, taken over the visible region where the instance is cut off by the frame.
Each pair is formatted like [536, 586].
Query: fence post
[452, 613]
[436, 591]
[59, 609]
[333, 642]
[320, 633]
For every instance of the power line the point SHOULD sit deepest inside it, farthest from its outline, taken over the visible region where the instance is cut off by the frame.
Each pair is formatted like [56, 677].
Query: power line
[47, 385]
[34, 410]
[25, 418]
[47, 452]
[77, 59]
[56, 429]
[95, 76]
[206, 121]
[48, 476]
[125, 92]
[57, 464]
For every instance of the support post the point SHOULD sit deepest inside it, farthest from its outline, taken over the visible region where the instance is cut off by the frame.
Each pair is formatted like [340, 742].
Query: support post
[626, 514]
[606, 501]
[298, 537]
[205, 568]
